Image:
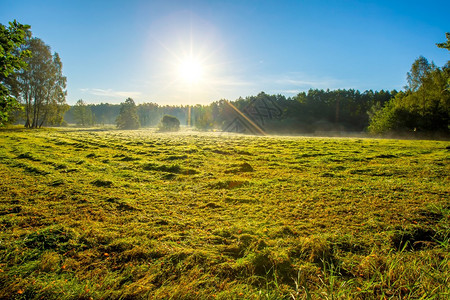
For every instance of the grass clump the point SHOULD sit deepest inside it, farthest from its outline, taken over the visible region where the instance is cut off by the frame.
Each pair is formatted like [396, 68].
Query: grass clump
[244, 167]
[54, 237]
[102, 183]
[228, 184]
[162, 168]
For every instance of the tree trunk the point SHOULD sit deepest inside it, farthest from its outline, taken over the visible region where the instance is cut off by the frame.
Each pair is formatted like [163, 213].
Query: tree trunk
[33, 124]
[27, 97]
[43, 119]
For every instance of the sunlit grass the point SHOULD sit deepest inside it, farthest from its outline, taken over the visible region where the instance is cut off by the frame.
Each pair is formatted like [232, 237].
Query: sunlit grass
[114, 214]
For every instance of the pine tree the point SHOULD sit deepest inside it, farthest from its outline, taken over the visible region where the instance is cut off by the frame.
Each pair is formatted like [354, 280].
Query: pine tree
[128, 117]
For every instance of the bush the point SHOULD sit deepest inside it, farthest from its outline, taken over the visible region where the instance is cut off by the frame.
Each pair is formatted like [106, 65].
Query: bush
[169, 123]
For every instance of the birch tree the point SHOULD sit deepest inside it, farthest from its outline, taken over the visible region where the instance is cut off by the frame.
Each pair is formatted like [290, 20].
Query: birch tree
[42, 86]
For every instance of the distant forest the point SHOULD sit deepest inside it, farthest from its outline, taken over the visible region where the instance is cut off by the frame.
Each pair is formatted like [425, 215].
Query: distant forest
[316, 110]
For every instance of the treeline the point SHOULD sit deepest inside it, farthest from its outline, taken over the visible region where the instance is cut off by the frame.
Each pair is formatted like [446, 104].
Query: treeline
[423, 107]
[316, 110]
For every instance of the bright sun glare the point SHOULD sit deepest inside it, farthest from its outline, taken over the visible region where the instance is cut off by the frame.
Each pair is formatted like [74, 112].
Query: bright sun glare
[190, 70]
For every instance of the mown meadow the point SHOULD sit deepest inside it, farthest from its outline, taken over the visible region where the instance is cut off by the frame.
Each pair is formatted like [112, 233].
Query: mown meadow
[92, 214]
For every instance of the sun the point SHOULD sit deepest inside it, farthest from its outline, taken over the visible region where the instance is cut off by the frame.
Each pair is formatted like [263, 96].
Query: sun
[190, 70]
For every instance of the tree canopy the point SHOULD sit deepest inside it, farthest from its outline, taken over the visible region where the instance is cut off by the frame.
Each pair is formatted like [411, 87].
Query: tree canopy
[83, 114]
[12, 59]
[41, 87]
[128, 117]
[169, 123]
[423, 107]
[445, 45]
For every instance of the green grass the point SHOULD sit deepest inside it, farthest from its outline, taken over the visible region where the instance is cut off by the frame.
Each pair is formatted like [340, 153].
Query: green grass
[145, 215]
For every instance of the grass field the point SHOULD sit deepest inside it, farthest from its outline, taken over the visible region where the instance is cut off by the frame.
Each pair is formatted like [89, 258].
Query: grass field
[136, 215]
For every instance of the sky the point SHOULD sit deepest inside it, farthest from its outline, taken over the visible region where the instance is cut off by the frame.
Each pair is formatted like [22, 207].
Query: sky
[197, 52]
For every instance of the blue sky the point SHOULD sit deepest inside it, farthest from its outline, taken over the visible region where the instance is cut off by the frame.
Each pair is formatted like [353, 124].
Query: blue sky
[112, 49]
